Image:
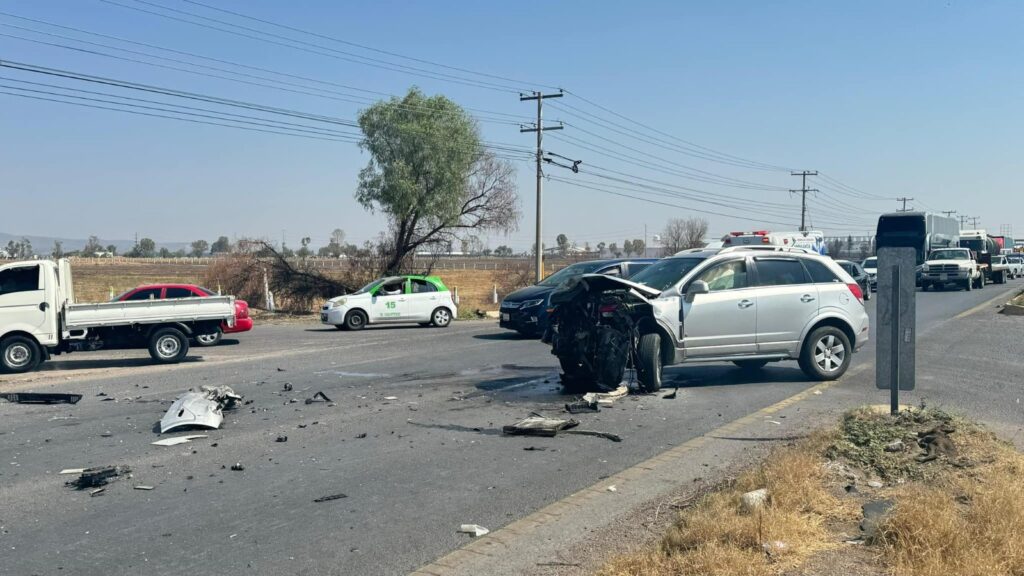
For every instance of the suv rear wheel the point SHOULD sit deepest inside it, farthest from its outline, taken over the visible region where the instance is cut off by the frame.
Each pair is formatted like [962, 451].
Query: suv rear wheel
[826, 354]
[648, 365]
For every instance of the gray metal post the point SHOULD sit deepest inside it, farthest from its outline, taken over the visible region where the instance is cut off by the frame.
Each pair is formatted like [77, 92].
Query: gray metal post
[539, 275]
[894, 383]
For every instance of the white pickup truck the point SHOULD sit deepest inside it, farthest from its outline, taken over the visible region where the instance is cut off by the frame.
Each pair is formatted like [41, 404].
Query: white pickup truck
[951, 266]
[38, 317]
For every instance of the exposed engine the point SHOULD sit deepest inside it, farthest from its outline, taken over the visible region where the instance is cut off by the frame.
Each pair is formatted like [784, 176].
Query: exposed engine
[594, 334]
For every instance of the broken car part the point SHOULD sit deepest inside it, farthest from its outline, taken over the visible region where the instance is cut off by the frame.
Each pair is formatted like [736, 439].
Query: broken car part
[99, 476]
[331, 497]
[177, 440]
[537, 425]
[318, 397]
[582, 407]
[203, 409]
[40, 398]
[474, 529]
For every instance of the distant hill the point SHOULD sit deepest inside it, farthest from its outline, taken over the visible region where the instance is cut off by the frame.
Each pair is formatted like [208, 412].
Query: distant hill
[44, 244]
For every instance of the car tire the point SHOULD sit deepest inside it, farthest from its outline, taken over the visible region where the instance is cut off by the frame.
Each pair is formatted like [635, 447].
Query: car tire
[968, 286]
[206, 340]
[355, 320]
[648, 362]
[867, 295]
[819, 351]
[750, 365]
[19, 354]
[441, 317]
[168, 345]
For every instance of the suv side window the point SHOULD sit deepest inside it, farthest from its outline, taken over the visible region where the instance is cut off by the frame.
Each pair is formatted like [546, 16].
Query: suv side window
[421, 286]
[730, 275]
[780, 272]
[147, 294]
[615, 270]
[20, 279]
[820, 272]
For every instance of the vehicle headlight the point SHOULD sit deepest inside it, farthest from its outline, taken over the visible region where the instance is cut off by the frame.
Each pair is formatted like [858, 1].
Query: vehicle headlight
[532, 303]
[924, 268]
[338, 303]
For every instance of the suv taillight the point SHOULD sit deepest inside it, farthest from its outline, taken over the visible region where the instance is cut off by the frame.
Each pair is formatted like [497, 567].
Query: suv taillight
[855, 289]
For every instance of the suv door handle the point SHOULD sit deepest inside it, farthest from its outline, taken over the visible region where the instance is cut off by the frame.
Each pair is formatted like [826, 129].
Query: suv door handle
[807, 298]
[745, 303]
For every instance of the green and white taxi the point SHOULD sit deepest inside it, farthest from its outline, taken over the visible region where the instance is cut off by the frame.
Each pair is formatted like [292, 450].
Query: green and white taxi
[396, 299]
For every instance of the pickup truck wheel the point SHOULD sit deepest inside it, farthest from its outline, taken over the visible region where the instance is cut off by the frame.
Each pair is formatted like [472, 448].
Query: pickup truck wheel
[750, 365]
[356, 320]
[826, 354]
[441, 317]
[212, 339]
[648, 362]
[19, 354]
[981, 282]
[168, 346]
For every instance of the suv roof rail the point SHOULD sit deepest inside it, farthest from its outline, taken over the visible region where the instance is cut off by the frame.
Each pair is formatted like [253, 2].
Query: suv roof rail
[768, 248]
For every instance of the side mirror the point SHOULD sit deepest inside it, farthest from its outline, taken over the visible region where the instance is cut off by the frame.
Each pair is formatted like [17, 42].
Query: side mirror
[697, 287]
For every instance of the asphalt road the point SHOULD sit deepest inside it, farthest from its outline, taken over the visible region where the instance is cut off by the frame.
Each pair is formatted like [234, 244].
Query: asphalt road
[412, 468]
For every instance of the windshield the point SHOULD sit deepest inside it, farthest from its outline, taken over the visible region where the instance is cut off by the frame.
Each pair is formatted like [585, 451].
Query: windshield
[871, 263]
[665, 273]
[949, 255]
[371, 286]
[570, 271]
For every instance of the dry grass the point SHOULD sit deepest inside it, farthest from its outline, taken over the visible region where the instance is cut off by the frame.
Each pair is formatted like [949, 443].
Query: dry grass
[959, 515]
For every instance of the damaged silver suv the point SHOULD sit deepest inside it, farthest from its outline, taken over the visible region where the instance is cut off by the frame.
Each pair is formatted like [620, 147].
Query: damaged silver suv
[745, 306]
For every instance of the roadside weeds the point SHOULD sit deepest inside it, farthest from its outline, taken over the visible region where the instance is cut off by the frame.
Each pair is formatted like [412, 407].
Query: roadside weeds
[959, 513]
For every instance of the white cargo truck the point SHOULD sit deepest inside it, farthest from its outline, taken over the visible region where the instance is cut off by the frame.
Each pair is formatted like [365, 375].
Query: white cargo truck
[39, 318]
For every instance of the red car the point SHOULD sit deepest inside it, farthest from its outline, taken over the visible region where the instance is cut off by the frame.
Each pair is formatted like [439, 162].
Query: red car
[243, 323]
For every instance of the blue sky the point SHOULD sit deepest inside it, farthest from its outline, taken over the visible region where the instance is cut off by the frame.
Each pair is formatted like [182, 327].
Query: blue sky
[917, 99]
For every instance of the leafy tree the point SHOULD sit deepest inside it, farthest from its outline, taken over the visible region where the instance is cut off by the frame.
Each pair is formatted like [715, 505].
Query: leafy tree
[164, 252]
[563, 244]
[58, 250]
[304, 251]
[600, 248]
[639, 246]
[627, 247]
[199, 247]
[220, 246]
[92, 246]
[146, 248]
[683, 234]
[503, 251]
[338, 237]
[613, 248]
[487, 252]
[112, 249]
[430, 176]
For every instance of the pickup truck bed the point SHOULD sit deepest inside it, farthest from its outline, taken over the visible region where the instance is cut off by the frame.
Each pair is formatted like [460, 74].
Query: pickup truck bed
[84, 316]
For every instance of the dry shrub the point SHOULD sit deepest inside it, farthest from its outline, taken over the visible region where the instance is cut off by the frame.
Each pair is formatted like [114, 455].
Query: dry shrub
[718, 537]
[970, 524]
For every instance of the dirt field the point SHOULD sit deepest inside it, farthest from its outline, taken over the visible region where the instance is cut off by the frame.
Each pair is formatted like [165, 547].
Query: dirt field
[97, 280]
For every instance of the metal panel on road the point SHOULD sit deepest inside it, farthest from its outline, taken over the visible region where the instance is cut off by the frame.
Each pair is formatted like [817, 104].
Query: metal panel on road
[896, 343]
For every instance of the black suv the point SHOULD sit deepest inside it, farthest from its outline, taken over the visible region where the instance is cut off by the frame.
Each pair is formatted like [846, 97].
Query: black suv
[526, 309]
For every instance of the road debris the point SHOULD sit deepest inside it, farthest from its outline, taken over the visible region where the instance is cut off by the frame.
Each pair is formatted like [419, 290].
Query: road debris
[582, 407]
[287, 387]
[391, 397]
[361, 435]
[534, 448]
[40, 398]
[142, 487]
[178, 440]
[281, 438]
[97, 492]
[671, 395]
[606, 398]
[612, 488]
[606, 435]
[537, 425]
[318, 397]
[99, 476]
[72, 471]
[754, 500]
[237, 467]
[474, 529]
[331, 497]
[203, 409]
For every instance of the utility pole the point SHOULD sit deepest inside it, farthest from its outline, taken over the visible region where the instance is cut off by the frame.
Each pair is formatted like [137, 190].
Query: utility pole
[539, 128]
[963, 221]
[974, 221]
[949, 213]
[904, 200]
[803, 195]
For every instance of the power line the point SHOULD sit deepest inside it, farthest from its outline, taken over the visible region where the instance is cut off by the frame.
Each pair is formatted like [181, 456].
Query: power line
[370, 48]
[319, 49]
